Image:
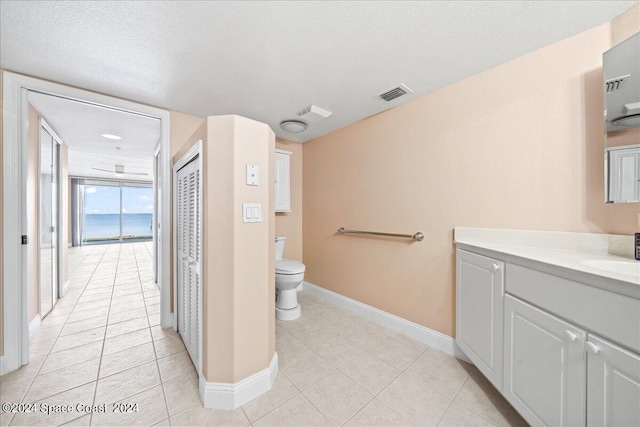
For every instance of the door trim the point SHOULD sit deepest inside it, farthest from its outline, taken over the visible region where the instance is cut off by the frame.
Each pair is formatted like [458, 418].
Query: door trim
[14, 274]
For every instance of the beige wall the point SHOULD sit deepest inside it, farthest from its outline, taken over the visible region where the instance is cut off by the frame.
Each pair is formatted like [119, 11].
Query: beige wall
[33, 221]
[519, 146]
[182, 127]
[290, 223]
[238, 270]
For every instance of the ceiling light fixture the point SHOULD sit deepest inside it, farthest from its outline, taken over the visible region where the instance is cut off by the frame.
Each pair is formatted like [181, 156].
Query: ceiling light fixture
[110, 136]
[293, 126]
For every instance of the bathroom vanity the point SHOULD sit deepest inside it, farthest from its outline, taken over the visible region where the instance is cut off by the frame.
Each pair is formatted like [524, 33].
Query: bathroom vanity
[553, 321]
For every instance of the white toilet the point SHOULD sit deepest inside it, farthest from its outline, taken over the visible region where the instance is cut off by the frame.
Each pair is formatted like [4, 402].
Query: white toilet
[289, 275]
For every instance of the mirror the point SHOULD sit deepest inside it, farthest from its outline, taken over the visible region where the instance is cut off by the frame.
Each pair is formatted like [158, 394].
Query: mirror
[621, 75]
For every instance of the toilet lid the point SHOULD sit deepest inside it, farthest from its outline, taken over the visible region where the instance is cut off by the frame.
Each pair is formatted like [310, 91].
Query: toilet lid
[289, 266]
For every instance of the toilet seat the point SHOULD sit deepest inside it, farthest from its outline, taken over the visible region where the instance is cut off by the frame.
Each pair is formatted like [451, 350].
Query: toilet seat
[289, 266]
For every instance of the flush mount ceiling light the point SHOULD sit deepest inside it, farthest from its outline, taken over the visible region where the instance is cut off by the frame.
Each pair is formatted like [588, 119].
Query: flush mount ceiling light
[110, 136]
[293, 126]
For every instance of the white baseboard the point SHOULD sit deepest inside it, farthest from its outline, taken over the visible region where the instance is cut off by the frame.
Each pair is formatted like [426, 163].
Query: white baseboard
[234, 395]
[420, 333]
[65, 288]
[34, 326]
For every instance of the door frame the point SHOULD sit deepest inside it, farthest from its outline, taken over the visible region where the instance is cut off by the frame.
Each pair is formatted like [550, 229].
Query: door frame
[14, 269]
[194, 152]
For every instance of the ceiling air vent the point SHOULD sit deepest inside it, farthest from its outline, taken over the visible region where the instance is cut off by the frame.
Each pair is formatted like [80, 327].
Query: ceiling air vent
[395, 92]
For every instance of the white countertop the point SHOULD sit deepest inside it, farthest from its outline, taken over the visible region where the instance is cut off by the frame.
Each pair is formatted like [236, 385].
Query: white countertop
[559, 249]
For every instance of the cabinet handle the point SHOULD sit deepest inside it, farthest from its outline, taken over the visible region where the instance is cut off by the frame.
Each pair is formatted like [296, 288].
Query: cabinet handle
[594, 349]
[496, 267]
[572, 337]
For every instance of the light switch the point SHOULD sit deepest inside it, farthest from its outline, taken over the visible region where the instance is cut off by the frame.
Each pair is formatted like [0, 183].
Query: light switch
[253, 175]
[251, 212]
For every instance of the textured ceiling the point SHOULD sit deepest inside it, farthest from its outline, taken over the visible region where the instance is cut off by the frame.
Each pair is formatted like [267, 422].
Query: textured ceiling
[268, 60]
[81, 126]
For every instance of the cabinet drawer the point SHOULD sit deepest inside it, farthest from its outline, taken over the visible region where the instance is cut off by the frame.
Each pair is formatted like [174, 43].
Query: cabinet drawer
[612, 315]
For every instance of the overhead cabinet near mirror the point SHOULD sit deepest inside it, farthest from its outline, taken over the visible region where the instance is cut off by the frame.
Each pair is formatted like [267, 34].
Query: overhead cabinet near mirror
[621, 72]
[282, 181]
[622, 170]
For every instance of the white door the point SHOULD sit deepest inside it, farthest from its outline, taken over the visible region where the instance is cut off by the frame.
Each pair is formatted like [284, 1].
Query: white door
[545, 366]
[479, 314]
[613, 390]
[188, 245]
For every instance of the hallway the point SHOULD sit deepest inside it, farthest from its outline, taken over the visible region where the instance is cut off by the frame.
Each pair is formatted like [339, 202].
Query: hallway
[103, 343]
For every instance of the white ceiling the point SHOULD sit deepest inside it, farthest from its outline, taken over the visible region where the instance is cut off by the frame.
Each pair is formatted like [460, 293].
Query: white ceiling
[268, 60]
[81, 125]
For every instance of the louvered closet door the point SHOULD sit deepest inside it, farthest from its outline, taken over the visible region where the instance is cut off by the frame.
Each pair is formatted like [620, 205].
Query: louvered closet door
[188, 236]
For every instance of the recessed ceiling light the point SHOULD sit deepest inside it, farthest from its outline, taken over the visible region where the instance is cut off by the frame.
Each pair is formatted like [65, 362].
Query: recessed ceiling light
[293, 126]
[110, 136]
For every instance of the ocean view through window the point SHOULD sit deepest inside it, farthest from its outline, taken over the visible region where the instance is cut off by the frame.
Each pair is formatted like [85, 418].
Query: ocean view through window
[117, 211]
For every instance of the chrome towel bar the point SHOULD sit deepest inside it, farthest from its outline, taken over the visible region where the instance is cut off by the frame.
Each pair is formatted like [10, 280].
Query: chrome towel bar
[419, 237]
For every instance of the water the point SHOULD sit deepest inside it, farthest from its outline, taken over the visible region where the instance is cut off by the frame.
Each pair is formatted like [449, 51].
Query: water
[108, 225]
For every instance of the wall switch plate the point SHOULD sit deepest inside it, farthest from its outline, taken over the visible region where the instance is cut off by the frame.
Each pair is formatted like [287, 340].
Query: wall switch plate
[251, 212]
[638, 219]
[253, 175]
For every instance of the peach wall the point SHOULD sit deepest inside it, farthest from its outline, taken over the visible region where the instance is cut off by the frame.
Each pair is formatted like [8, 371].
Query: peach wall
[290, 223]
[519, 146]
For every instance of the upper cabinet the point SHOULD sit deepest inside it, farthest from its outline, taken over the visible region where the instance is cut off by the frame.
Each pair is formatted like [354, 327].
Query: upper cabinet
[621, 72]
[622, 168]
[283, 181]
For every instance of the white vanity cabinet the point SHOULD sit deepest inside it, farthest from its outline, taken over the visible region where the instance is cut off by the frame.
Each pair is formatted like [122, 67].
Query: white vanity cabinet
[282, 181]
[544, 366]
[479, 298]
[562, 347]
[613, 390]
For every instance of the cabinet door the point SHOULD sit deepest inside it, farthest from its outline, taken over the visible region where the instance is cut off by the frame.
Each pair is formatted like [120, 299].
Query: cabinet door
[545, 366]
[282, 182]
[623, 174]
[479, 312]
[613, 389]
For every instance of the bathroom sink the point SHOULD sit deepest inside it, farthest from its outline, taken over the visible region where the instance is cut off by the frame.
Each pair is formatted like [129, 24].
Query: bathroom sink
[628, 268]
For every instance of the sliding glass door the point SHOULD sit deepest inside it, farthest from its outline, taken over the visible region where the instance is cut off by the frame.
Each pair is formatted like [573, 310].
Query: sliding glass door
[48, 212]
[114, 211]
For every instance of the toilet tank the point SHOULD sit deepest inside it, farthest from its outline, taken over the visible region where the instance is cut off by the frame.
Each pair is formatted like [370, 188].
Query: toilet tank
[280, 240]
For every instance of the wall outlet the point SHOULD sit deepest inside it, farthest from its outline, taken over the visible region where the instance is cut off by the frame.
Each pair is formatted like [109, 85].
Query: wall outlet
[253, 175]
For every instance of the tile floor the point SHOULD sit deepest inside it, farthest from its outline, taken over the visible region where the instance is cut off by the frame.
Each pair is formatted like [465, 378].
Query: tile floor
[103, 344]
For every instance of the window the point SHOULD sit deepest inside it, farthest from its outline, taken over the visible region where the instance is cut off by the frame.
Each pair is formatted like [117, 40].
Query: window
[112, 211]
